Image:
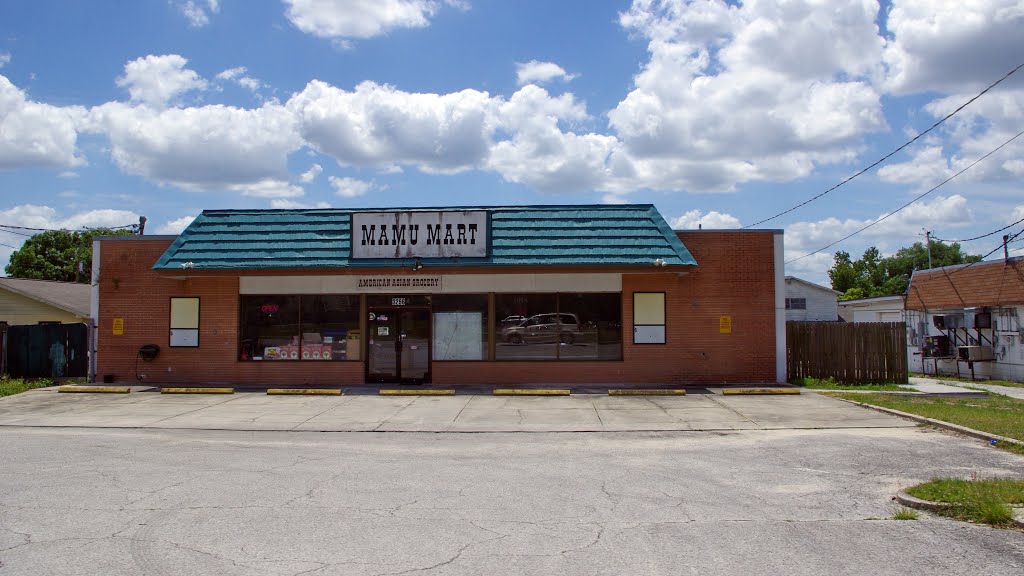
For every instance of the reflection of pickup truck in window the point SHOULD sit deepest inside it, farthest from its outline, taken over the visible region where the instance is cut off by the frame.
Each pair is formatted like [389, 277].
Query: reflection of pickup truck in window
[543, 328]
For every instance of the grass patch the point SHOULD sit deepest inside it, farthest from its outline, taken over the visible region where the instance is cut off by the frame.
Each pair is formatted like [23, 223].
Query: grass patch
[12, 386]
[986, 501]
[904, 513]
[831, 384]
[1008, 383]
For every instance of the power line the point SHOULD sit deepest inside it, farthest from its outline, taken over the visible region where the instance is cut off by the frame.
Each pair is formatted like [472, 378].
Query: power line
[890, 154]
[982, 236]
[947, 275]
[936, 187]
[84, 228]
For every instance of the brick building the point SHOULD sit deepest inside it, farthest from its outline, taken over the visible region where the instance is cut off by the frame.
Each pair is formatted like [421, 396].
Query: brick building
[594, 294]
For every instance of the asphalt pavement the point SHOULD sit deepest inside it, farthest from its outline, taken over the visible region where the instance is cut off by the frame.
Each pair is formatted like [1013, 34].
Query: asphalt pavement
[797, 502]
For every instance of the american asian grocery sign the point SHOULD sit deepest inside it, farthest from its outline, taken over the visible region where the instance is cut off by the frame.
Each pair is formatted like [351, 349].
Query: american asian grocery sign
[447, 234]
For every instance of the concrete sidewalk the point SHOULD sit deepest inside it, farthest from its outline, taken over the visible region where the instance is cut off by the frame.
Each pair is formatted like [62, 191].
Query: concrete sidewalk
[468, 413]
[929, 384]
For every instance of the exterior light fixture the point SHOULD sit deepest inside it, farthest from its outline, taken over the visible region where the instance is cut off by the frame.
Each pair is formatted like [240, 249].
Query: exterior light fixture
[660, 263]
[418, 265]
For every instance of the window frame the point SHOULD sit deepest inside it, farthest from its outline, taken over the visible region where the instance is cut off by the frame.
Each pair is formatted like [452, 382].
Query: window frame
[791, 304]
[170, 321]
[664, 320]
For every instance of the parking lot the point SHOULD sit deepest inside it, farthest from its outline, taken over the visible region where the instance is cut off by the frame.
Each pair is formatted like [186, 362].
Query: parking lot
[704, 410]
[799, 502]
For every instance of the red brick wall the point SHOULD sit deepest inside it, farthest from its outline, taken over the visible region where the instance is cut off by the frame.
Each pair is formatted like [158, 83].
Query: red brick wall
[734, 277]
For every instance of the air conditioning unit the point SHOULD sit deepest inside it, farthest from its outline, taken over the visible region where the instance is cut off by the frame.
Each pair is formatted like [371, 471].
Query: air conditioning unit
[977, 318]
[975, 353]
[953, 321]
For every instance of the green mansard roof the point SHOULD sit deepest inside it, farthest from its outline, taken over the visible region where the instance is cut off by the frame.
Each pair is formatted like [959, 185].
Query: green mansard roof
[586, 235]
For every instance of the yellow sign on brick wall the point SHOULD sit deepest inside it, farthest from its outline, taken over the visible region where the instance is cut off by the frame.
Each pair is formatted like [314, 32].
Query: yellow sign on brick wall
[118, 326]
[725, 324]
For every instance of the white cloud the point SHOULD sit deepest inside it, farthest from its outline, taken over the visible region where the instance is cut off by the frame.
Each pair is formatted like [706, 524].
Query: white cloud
[536, 72]
[206, 148]
[36, 216]
[238, 76]
[351, 187]
[359, 18]
[268, 188]
[175, 226]
[712, 220]
[156, 80]
[286, 204]
[902, 229]
[5, 59]
[378, 126]
[951, 45]
[539, 153]
[927, 167]
[68, 174]
[36, 134]
[745, 93]
[311, 174]
[197, 14]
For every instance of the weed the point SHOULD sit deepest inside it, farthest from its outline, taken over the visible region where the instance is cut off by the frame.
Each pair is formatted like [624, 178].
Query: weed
[986, 501]
[904, 513]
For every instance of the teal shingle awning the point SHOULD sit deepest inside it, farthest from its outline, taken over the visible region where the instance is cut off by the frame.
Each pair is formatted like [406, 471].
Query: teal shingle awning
[585, 235]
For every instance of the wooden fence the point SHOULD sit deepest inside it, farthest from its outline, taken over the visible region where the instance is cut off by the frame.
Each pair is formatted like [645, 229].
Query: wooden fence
[852, 353]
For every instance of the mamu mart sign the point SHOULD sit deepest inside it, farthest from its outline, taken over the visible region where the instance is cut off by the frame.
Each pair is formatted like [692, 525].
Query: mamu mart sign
[449, 234]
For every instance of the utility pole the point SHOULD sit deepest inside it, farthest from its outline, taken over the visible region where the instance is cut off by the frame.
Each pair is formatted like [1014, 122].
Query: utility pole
[928, 238]
[1006, 252]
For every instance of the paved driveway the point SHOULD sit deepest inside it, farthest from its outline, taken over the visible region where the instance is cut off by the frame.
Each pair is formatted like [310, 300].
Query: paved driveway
[584, 412]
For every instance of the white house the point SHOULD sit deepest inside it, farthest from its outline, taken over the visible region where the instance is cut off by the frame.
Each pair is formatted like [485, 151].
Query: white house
[880, 309]
[968, 319]
[807, 301]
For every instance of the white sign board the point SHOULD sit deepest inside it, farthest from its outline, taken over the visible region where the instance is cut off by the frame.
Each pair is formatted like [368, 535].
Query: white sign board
[648, 335]
[450, 234]
[398, 284]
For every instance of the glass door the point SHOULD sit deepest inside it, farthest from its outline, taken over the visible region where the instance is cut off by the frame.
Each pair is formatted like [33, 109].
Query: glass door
[399, 346]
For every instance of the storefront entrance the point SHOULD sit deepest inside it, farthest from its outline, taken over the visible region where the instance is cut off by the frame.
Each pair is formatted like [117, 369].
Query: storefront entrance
[398, 345]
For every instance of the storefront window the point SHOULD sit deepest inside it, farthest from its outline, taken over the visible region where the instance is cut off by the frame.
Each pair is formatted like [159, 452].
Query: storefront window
[313, 328]
[591, 327]
[460, 327]
[330, 328]
[270, 325]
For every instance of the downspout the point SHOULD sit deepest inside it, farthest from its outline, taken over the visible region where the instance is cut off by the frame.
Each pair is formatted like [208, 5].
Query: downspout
[94, 308]
[779, 259]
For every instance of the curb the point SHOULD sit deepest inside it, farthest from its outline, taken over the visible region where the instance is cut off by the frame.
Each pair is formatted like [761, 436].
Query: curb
[940, 423]
[647, 392]
[758, 391]
[95, 389]
[914, 502]
[303, 392]
[530, 392]
[404, 392]
[197, 390]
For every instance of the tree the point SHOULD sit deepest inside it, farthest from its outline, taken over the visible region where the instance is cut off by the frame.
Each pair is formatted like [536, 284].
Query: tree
[57, 255]
[872, 275]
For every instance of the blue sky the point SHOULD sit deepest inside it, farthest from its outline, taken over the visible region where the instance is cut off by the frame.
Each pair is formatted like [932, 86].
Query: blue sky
[721, 114]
